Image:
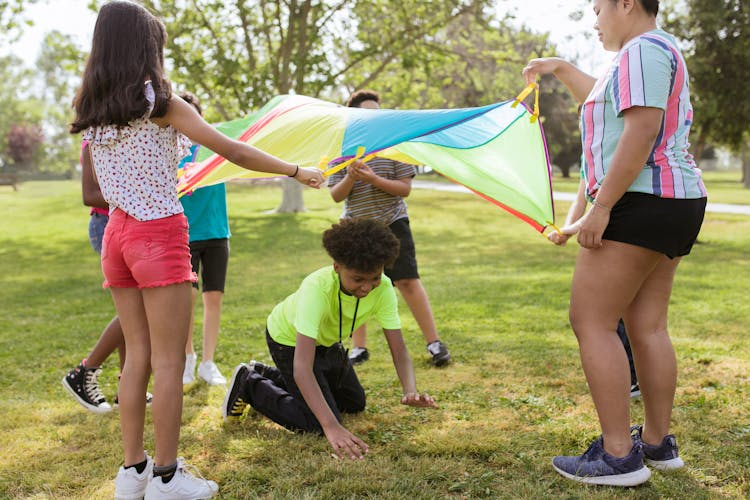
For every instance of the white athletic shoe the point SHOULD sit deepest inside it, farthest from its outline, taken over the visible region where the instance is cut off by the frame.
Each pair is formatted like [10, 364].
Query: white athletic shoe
[188, 376]
[209, 372]
[129, 485]
[184, 485]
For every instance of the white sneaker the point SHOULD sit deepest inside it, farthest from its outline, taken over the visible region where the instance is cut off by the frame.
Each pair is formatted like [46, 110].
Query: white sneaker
[184, 485]
[129, 485]
[209, 372]
[188, 376]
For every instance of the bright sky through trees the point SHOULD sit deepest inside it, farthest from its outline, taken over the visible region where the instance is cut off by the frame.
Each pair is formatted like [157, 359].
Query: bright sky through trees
[73, 17]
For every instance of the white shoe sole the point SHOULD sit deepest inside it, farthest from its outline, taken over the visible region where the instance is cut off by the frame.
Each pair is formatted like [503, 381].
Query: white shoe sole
[225, 403]
[99, 410]
[630, 479]
[664, 465]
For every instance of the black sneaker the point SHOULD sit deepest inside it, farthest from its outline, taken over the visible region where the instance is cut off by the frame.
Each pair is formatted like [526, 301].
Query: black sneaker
[662, 457]
[82, 384]
[234, 406]
[359, 355]
[439, 353]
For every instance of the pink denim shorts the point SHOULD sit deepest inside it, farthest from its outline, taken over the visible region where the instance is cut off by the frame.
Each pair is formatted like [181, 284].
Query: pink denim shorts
[146, 254]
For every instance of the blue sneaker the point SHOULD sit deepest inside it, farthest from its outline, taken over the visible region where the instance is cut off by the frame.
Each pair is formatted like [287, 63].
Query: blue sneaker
[596, 466]
[662, 457]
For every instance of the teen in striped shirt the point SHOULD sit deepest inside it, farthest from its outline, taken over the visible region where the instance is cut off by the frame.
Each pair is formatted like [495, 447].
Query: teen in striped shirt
[648, 202]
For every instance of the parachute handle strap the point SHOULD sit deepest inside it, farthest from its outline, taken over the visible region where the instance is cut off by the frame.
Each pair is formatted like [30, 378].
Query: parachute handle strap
[344, 164]
[532, 87]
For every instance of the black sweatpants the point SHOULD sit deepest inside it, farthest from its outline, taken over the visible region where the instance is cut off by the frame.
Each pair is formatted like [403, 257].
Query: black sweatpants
[276, 395]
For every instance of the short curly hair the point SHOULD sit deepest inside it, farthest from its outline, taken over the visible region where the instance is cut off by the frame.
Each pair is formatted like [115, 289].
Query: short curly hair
[364, 245]
[361, 96]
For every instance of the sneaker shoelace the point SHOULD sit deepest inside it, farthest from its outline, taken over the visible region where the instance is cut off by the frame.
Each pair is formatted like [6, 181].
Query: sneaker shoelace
[91, 385]
[239, 406]
[190, 471]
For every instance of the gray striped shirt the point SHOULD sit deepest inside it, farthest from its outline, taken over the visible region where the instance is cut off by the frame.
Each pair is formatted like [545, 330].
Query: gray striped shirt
[368, 202]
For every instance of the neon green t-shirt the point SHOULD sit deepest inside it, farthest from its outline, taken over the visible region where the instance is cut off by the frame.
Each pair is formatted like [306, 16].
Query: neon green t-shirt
[313, 310]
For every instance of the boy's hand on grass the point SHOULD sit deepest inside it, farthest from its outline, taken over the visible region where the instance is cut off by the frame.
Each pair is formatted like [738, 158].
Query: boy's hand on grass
[346, 444]
[418, 400]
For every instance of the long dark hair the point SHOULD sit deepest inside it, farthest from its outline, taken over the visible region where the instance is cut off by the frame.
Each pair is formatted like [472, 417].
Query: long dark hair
[127, 49]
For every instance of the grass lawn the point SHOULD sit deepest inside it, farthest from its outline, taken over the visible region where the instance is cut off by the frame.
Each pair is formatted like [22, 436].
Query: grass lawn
[514, 397]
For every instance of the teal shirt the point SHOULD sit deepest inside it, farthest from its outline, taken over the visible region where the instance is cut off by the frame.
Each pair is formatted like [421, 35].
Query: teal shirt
[206, 209]
[313, 310]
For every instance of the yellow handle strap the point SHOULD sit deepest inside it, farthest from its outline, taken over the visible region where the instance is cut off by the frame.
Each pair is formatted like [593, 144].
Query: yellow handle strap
[336, 168]
[532, 87]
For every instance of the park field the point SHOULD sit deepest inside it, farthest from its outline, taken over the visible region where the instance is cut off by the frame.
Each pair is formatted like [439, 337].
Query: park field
[514, 396]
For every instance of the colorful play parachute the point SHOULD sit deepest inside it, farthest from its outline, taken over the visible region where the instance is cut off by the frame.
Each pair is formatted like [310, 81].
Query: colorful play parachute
[497, 151]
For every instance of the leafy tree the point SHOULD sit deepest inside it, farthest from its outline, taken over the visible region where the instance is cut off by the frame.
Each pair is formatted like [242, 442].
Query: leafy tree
[23, 143]
[18, 107]
[473, 60]
[717, 36]
[12, 19]
[60, 65]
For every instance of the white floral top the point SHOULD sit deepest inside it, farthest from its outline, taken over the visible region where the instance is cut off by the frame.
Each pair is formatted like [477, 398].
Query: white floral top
[136, 165]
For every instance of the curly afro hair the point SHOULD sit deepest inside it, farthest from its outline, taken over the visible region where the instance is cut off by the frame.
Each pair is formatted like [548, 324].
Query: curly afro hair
[360, 96]
[361, 244]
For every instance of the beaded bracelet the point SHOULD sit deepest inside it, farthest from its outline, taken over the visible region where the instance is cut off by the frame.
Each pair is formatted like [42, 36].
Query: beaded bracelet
[596, 203]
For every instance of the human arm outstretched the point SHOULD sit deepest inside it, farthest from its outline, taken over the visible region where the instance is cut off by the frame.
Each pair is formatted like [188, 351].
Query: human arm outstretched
[578, 82]
[344, 443]
[405, 371]
[186, 119]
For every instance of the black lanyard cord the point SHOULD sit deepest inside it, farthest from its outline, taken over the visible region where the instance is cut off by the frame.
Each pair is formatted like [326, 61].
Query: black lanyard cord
[354, 319]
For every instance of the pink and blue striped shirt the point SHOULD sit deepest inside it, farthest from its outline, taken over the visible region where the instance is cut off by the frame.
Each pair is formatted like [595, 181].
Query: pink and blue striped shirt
[648, 71]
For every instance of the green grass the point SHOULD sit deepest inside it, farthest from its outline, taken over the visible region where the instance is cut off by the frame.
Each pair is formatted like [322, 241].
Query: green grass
[514, 397]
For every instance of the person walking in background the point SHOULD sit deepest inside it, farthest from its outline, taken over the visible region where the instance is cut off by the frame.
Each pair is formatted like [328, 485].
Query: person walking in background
[313, 381]
[136, 131]
[648, 202]
[206, 212]
[376, 190]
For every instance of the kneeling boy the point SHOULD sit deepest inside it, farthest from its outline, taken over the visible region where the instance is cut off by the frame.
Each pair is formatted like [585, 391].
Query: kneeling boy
[313, 381]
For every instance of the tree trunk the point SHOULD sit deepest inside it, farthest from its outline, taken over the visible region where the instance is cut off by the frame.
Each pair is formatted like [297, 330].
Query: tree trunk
[291, 199]
[746, 166]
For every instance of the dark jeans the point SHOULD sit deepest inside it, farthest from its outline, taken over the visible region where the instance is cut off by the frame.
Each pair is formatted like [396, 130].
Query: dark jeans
[276, 395]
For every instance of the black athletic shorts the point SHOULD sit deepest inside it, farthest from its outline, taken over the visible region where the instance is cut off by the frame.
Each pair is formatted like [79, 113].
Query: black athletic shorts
[666, 225]
[211, 258]
[405, 266]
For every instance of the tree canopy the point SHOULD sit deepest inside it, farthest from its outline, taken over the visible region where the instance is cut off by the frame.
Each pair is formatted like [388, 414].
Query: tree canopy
[717, 50]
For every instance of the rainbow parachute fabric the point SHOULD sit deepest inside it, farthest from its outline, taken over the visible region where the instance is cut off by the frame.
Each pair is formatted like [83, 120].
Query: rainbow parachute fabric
[497, 151]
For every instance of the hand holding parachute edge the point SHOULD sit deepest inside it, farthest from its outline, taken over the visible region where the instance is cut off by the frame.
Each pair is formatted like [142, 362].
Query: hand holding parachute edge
[531, 87]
